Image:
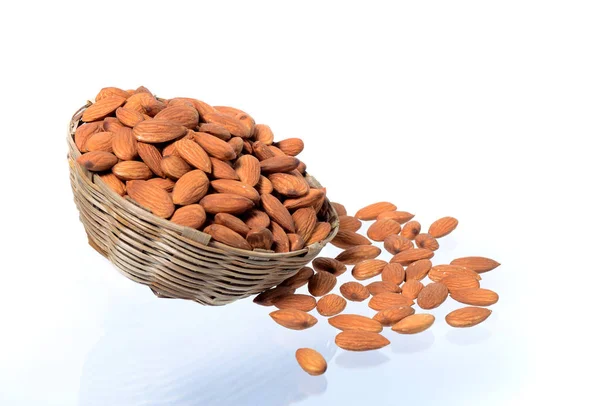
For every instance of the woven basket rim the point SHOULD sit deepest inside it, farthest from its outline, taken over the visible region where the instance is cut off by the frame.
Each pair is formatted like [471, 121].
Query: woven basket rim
[193, 235]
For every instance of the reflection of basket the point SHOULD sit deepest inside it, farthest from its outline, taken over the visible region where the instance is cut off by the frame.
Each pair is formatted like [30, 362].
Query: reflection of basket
[176, 261]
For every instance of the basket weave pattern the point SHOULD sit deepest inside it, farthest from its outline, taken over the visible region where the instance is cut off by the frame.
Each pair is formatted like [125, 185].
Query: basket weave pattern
[176, 261]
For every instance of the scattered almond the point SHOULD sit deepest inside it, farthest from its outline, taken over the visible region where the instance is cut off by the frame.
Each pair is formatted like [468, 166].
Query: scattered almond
[293, 319]
[412, 288]
[478, 264]
[443, 227]
[311, 361]
[355, 322]
[432, 295]
[467, 316]
[356, 340]
[330, 305]
[354, 291]
[413, 324]
[393, 315]
[321, 283]
[475, 296]
[371, 211]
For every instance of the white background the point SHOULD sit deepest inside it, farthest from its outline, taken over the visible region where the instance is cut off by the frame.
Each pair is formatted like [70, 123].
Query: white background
[486, 111]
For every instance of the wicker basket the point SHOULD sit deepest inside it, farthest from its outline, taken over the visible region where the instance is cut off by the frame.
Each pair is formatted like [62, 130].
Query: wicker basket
[176, 261]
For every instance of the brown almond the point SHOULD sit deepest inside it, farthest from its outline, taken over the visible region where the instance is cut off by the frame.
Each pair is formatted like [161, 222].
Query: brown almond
[411, 230]
[296, 301]
[309, 200]
[475, 296]
[350, 223]
[102, 108]
[355, 322]
[113, 183]
[231, 124]
[247, 168]
[398, 216]
[279, 164]
[170, 149]
[261, 238]
[467, 316]
[227, 236]
[393, 273]
[339, 209]
[290, 146]
[264, 186]
[225, 203]
[262, 151]
[353, 340]
[311, 361]
[432, 295]
[289, 185]
[395, 244]
[457, 282]
[368, 268]
[266, 297]
[354, 291]
[257, 219]
[124, 144]
[478, 264]
[182, 115]
[132, 170]
[232, 222]
[281, 243]
[166, 184]
[190, 188]
[192, 216]
[111, 91]
[321, 283]
[426, 241]
[151, 197]
[378, 287]
[300, 279]
[156, 131]
[387, 299]
[84, 132]
[412, 255]
[330, 305]
[111, 124]
[237, 144]
[151, 157]
[333, 266]
[356, 254]
[263, 133]
[347, 239]
[418, 269]
[439, 272]
[174, 167]
[101, 141]
[237, 188]
[129, 117]
[296, 242]
[412, 288]
[194, 154]
[145, 103]
[305, 220]
[302, 168]
[442, 227]
[277, 212]
[97, 161]
[413, 324]
[216, 130]
[223, 170]
[215, 146]
[389, 317]
[381, 229]
[320, 232]
[371, 211]
[293, 319]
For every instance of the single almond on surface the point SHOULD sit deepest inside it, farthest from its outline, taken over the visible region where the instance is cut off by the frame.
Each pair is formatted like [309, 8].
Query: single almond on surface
[442, 227]
[321, 283]
[114, 183]
[333, 266]
[349, 223]
[418, 269]
[132, 170]
[393, 315]
[432, 295]
[368, 268]
[354, 291]
[398, 216]
[174, 167]
[378, 287]
[151, 197]
[320, 232]
[300, 279]
[467, 316]
[439, 272]
[277, 212]
[227, 236]
[97, 161]
[386, 300]
[414, 324]
[295, 301]
[381, 229]
[411, 229]
[293, 319]
[396, 243]
[356, 340]
[192, 216]
[346, 239]
[426, 241]
[412, 255]
[225, 203]
[457, 282]
[371, 211]
[412, 288]
[156, 131]
[232, 222]
[355, 322]
[339, 209]
[266, 297]
[393, 273]
[330, 305]
[190, 188]
[261, 238]
[311, 361]
[478, 264]
[475, 296]
[358, 253]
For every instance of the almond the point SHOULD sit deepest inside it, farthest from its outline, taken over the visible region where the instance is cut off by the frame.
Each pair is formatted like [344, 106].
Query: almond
[290, 146]
[223, 170]
[174, 167]
[355, 322]
[151, 157]
[132, 170]
[97, 161]
[277, 212]
[296, 242]
[311, 361]
[353, 340]
[392, 315]
[320, 232]
[293, 319]
[237, 144]
[321, 283]
[475, 296]
[398, 216]
[381, 229]
[418, 269]
[111, 91]
[432, 295]
[281, 243]
[386, 300]
[279, 164]
[356, 254]
[257, 219]
[395, 244]
[478, 264]
[101, 141]
[227, 236]
[225, 203]
[247, 122]
[124, 144]
[170, 149]
[378, 287]
[414, 324]
[231, 124]
[368, 268]
[232, 222]
[354, 291]
[442, 227]
[112, 124]
[457, 282]
[266, 297]
[129, 117]
[194, 154]
[426, 241]
[333, 266]
[216, 130]
[412, 288]
[166, 184]
[84, 132]
[145, 103]
[330, 305]
[309, 200]
[393, 273]
[157, 131]
[261, 238]
[215, 146]
[190, 188]
[114, 183]
[102, 108]
[295, 301]
[237, 188]
[305, 220]
[192, 216]
[247, 168]
[264, 186]
[467, 316]
[201, 107]
[289, 185]
[411, 229]
[349, 223]
[339, 209]
[347, 239]
[439, 272]
[412, 255]
[371, 211]
[302, 168]
[151, 197]
[182, 115]
[262, 151]
[300, 279]
[263, 133]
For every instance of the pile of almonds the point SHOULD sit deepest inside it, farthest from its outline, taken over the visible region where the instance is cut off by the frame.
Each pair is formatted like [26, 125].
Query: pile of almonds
[204, 167]
[401, 283]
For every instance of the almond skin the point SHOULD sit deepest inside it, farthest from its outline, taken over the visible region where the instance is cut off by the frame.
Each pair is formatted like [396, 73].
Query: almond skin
[215, 146]
[368, 268]
[190, 188]
[192, 216]
[412, 288]
[290, 146]
[321, 283]
[182, 115]
[412, 255]
[457, 282]
[129, 117]
[102, 108]
[311, 361]
[174, 167]
[216, 130]
[132, 170]
[237, 188]
[281, 243]
[151, 157]
[296, 242]
[257, 219]
[97, 161]
[112, 124]
[330, 305]
[358, 253]
[426, 241]
[389, 317]
[277, 212]
[225, 203]
[333, 266]
[378, 287]
[353, 340]
[124, 144]
[293, 319]
[395, 244]
[371, 211]
[157, 131]
[232, 222]
[381, 229]
[263, 133]
[296, 301]
[166, 184]
[111, 91]
[305, 220]
[114, 183]
[194, 154]
[467, 316]
[475, 296]
[442, 227]
[247, 168]
[226, 236]
[300, 279]
[266, 297]
[262, 151]
[339, 209]
[478, 264]
[101, 141]
[320, 232]
[223, 170]
[237, 144]
[385, 300]
[439, 272]
[84, 132]
[411, 230]
[355, 322]
[260, 238]
[349, 223]
[393, 273]
[264, 186]
[432, 295]
[151, 197]
[354, 291]
[347, 239]
[418, 269]
[289, 185]
[398, 216]
[414, 324]
[233, 125]
[279, 164]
